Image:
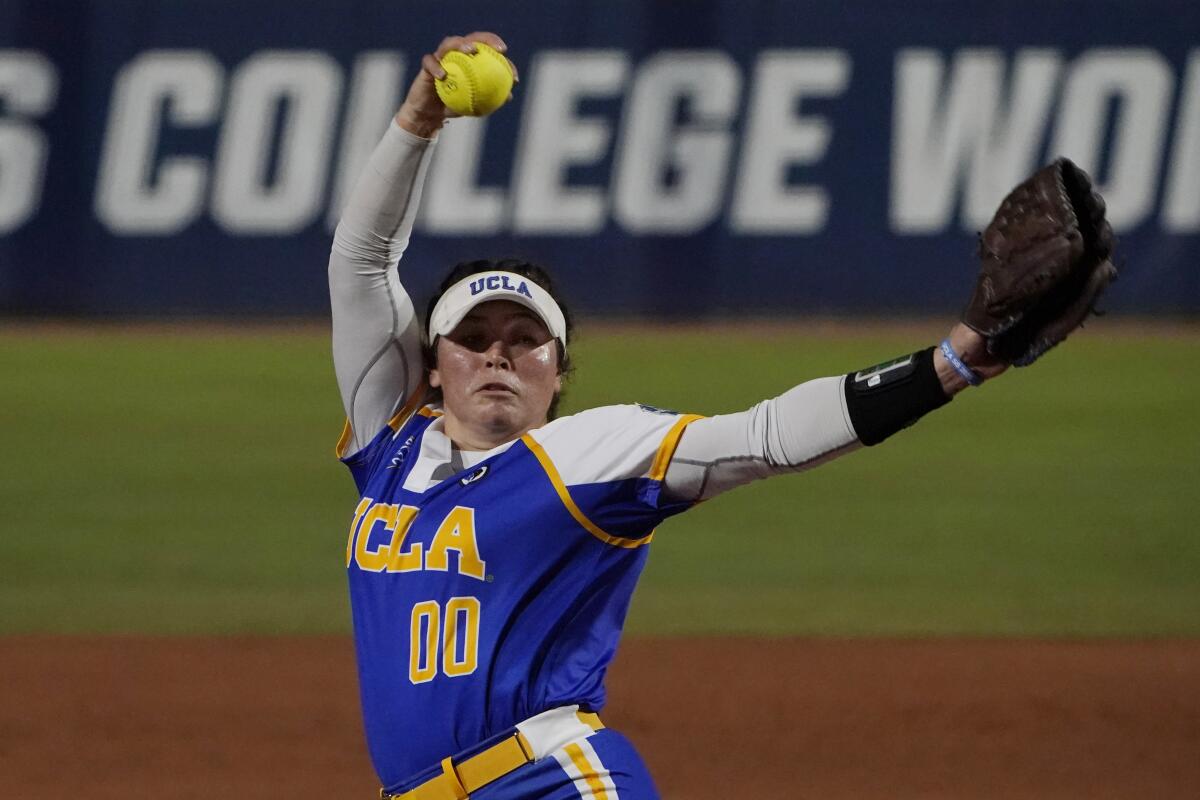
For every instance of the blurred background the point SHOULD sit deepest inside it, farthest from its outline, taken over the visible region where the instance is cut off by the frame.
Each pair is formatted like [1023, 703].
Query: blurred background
[773, 181]
[736, 196]
[669, 159]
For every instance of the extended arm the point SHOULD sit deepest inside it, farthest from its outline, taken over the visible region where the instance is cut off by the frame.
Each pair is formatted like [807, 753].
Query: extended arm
[1046, 259]
[818, 421]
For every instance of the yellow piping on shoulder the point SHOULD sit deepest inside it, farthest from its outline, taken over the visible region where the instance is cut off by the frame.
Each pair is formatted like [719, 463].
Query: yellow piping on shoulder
[565, 496]
[339, 449]
[394, 423]
[403, 414]
[662, 459]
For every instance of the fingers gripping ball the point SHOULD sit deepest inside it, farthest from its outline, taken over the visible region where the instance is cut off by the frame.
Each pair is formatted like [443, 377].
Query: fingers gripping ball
[476, 84]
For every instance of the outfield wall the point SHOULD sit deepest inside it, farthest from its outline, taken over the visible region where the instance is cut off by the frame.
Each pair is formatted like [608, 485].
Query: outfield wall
[668, 159]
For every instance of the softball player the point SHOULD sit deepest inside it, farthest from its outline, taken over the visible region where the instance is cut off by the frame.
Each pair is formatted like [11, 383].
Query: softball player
[494, 550]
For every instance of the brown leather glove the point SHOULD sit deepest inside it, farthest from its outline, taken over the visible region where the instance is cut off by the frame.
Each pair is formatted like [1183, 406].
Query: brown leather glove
[1045, 260]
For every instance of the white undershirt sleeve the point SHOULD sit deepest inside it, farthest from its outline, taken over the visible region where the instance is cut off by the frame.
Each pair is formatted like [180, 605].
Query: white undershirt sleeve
[803, 427]
[376, 332]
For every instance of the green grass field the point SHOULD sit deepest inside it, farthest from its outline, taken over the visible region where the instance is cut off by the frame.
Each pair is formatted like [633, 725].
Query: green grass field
[184, 483]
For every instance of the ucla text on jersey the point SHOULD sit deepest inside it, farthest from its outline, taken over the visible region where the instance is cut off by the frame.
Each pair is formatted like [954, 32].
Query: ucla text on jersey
[493, 595]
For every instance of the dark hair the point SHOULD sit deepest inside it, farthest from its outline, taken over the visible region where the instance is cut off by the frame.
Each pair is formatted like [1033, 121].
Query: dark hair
[525, 269]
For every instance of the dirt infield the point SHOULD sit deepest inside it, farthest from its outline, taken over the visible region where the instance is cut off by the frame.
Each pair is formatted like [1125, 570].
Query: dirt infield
[274, 718]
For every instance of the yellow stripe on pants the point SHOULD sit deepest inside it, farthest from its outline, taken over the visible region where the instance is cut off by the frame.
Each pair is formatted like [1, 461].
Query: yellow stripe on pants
[589, 773]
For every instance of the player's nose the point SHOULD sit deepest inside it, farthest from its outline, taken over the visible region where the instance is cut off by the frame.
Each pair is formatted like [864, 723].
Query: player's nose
[497, 355]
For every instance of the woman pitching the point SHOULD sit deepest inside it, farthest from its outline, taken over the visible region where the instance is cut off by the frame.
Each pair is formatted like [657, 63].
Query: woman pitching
[494, 551]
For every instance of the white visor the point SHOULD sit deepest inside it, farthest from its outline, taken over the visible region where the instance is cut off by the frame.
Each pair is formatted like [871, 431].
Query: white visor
[481, 287]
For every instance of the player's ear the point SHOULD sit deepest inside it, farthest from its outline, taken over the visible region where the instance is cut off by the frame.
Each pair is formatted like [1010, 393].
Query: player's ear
[435, 378]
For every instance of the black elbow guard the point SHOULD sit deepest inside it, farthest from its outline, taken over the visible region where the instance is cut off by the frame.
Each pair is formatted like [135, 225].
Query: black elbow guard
[889, 397]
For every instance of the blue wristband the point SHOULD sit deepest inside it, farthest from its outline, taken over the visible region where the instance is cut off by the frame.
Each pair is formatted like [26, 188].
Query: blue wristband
[969, 375]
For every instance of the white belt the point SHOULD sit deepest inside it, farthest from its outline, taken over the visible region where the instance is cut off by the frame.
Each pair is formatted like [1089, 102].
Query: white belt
[550, 730]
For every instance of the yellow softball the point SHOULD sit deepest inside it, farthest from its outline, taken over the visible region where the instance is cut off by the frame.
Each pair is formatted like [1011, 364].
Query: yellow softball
[476, 84]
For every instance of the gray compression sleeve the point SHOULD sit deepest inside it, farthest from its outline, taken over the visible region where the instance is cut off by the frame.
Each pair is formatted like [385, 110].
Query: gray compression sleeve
[803, 427]
[376, 334]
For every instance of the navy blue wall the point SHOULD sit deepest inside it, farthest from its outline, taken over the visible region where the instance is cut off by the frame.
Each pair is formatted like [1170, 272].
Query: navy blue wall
[664, 158]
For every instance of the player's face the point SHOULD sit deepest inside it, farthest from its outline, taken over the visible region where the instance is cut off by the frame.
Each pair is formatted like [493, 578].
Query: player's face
[498, 372]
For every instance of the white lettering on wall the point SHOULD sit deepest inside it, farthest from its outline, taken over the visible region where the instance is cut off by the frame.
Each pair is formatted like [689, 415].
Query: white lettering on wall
[1181, 204]
[454, 202]
[374, 97]
[28, 89]
[968, 128]
[696, 153]
[554, 137]
[134, 195]
[308, 85]
[777, 139]
[1141, 83]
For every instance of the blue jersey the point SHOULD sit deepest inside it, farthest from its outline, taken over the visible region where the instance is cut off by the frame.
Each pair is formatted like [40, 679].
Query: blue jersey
[498, 592]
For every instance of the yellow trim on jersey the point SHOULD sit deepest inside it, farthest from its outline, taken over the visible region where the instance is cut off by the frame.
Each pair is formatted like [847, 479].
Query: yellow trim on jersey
[339, 450]
[429, 412]
[343, 440]
[662, 459]
[403, 414]
[565, 496]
